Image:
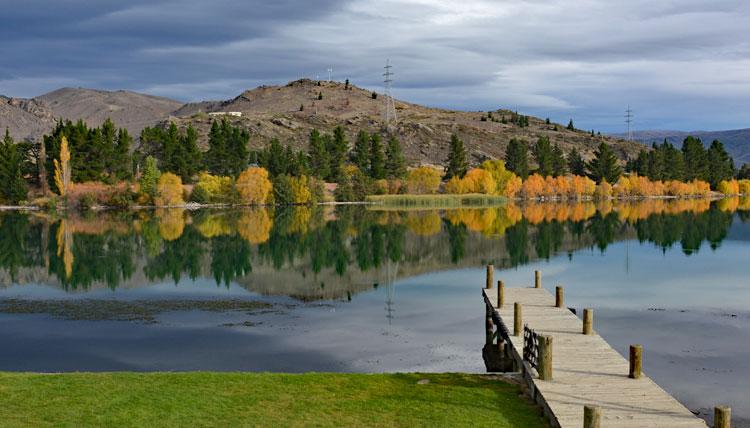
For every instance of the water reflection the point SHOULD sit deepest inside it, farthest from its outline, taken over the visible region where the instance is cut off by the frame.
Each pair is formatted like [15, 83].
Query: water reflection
[320, 253]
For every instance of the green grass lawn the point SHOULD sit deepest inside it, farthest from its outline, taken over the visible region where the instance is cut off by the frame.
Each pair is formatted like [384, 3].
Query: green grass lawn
[261, 399]
[437, 201]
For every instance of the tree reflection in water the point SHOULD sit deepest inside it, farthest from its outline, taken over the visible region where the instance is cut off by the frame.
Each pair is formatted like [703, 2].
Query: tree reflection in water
[350, 248]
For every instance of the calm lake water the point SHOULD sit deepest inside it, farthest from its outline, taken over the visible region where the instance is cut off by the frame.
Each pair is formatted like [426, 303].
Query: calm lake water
[360, 289]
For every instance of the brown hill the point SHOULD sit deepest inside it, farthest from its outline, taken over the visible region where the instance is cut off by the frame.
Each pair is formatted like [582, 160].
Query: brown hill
[25, 119]
[290, 112]
[127, 109]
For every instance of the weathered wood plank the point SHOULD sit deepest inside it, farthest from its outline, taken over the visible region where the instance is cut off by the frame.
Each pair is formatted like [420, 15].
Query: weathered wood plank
[587, 370]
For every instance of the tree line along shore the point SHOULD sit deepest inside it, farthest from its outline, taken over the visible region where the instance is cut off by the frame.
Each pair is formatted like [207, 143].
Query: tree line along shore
[78, 166]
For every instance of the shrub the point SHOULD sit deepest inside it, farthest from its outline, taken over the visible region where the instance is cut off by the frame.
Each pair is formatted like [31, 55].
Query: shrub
[253, 186]
[423, 180]
[212, 189]
[169, 190]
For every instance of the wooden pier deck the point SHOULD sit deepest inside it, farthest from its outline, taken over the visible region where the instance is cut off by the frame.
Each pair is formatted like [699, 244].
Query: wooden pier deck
[586, 370]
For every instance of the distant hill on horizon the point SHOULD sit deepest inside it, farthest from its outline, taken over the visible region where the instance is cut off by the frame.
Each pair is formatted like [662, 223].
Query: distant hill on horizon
[736, 141]
[289, 112]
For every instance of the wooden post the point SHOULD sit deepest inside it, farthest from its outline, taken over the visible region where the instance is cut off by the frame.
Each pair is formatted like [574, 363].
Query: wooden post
[592, 417]
[500, 293]
[559, 297]
[636, 361]
[517, 322]
[537, 279]
[722, 417]
[545, 357]
[490, 273]
[588, 321]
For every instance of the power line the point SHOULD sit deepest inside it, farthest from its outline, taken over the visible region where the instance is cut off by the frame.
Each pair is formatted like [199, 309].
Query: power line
[629, 121]
[390, 107]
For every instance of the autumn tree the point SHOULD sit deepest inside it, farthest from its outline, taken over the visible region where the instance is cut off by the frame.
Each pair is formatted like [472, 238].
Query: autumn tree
[169, 190]
[457, 164]
[423, 180]
[604, 166]
[253, 186]
[517, 157]
[62, 168]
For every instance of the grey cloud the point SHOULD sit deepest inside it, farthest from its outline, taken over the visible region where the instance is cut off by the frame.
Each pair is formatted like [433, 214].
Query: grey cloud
[680, 63]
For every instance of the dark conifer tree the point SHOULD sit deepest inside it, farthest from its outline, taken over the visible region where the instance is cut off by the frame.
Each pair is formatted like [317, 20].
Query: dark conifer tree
[544, 157]
[576, 164]
[395, 164]
[720, 164]
[457, 162]
[338, 149]
[361, 152]
[559, 164]
[696, 159]
[14, 188]
[319, 162]
[604, 165]
[517, 157]
[377, 158]
[571, 127]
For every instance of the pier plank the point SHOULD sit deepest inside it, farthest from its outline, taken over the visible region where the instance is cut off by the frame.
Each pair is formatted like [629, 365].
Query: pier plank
[586, 370]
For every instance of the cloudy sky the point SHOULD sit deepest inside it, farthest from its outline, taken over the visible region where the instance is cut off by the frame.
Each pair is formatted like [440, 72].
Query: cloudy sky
[680, 64]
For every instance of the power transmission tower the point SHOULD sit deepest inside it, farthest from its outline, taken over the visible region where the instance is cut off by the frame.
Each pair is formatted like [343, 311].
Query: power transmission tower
[330, 70]
[390, 107]
[629, 121]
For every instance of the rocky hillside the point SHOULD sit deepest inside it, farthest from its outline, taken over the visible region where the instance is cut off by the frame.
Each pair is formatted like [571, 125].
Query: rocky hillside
[289, 113]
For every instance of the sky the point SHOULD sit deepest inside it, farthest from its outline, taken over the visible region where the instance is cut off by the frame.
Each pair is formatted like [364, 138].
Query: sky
[679, 64]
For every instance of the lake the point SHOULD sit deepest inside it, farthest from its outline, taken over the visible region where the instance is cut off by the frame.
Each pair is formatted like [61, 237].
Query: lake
[363, 289]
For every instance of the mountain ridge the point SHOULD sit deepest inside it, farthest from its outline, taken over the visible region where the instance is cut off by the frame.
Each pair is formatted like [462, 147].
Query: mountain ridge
[736, 141]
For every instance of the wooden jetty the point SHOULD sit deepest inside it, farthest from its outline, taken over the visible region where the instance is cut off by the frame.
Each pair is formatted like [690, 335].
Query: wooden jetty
[572, 372]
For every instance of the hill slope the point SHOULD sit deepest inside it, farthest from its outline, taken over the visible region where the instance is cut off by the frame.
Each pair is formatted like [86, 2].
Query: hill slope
[25, 119]
[736, 141]
[127, 109]
[291, 111]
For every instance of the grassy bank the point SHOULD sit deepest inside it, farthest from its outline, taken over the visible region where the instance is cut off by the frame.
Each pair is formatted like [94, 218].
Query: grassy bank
[261, 399]
[437, 201]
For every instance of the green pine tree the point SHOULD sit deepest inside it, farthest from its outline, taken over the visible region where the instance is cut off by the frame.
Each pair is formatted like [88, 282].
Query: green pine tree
[576, 164]
[319, 162]
[457, 161]
[361, 152]
[720, 164]
[559, 164]
[696, 159]
[14, 188]
[395, 164]
[604, 166]
[338, 150]
[571, 127]
[517, 158]
[377, 158]
[544, 157]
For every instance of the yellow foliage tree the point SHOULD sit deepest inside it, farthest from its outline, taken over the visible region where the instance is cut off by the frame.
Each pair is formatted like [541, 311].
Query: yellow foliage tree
[457, 186]
[255, 225]
[603, 191]
[506, 182]
[301, 194]
[169, 190]
[729, 187]
[423, 180]
[171, 223]
[744, 187]
[212, 189]
[62, 168]
[254, 186]
[534, 187]
[481, 181]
